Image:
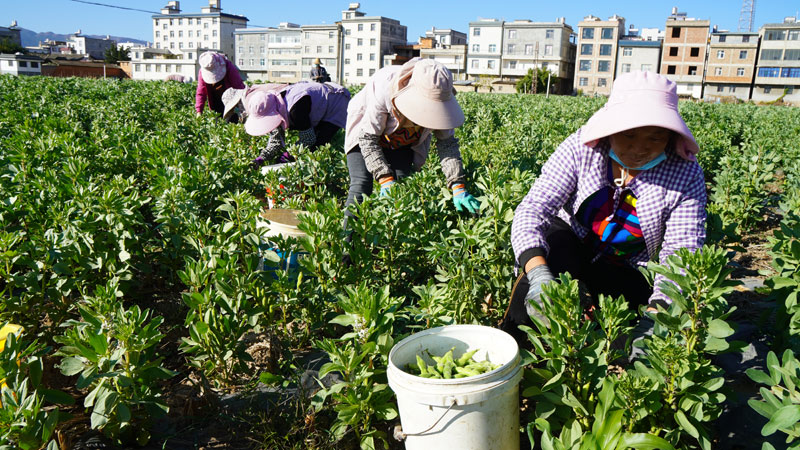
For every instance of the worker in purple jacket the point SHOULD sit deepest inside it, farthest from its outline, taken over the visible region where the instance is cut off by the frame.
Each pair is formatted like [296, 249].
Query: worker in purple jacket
[622, 190]
[315, 110]
[215, 76]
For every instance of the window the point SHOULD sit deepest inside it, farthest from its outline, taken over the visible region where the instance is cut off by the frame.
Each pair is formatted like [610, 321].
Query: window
[171, 34]
[793, 35]
[605, 49]
[490, 64]
[474, 64]
[205, 25]
[790, 72]
[731, 89]
[740, 72]
[492, 48]
[180, 44]
[205, 37]
[694, 52]
[718, 71]
[214, 33]
[11, 64]
[372, 56]
[171, 22]
[511, 48]
[23, 64]
[603, 66]
[627, 51]
[722, 38]
[359, 57]
[347, 31]
[742, 54]
[583, 81]
[692, 70]
[791, 54]
[771, 54]
[372, 42]
[769, 72]
[261, 50]
[587, 33]
[512, 34]
[330, 34]
[241, 49]
[745, 39]
[607, 33]
[189, 21]
[767, 90]
[158, 33]
[512, 64]
[647, 68]
[774, 35]
[626, 68]
[372, 27]
[789, 90]
[360, 42]
[548, 34]
[214, 20]
[190, 55]
[263, 62]
[528, 49]
[586, 49]
[361, 27]
[137, 67]
[720, 88]
[171, 45]
[602, 82]
[676, 32]
[34, 64]
[670, 70]
[548, 50]
[720, 54]
[319, 49]
[250, 49]
[252, 62]
[191, 33]
[359, 72]
[347, 46]
[347, 60]
[476, 48]
[476, 31]
[147, 68]
[330, 49]
[585, 65]
[165, 26]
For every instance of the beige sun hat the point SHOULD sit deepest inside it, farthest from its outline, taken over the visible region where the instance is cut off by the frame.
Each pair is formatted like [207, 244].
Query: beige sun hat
[232, 98]
[317, 61]
[429, 99]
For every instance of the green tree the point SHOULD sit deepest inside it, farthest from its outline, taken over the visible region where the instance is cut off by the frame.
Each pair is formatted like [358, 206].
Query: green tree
[115, 54]
[8, 46]
[524, 85]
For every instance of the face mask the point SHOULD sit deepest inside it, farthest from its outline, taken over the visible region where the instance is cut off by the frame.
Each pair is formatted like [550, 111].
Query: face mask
[653, 162]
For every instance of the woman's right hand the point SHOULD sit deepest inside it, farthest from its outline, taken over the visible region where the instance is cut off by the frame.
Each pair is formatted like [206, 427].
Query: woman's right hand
[537, 276]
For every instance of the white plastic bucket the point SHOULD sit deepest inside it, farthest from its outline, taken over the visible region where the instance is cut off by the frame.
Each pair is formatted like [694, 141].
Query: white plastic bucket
[480, 412]
[282, 222]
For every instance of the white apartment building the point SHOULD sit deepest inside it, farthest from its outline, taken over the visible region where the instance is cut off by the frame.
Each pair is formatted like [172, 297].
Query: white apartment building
[156, 64]
[367, 39]
[323, 42]
[531, 45]
[778, 66]
[443, 37]
[484, 48]
[284, 53]
[251, 52]
[92, 47]
[597, 53]
[210, 29]
[19, 64]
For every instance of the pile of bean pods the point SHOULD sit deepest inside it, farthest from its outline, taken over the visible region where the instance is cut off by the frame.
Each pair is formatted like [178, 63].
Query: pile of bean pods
[447, 366]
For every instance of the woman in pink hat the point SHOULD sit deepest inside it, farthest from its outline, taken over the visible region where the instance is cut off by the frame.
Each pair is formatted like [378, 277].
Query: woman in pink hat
[389, 127]
[215, 76]
[622, 190]
[315, 110]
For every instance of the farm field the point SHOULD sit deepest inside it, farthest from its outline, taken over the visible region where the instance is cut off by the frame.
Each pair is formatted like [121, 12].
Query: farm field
[130, 255]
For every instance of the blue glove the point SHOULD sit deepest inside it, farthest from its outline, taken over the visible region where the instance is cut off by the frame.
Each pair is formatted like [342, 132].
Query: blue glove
[463, 200]
[537, 277]
[386, 185]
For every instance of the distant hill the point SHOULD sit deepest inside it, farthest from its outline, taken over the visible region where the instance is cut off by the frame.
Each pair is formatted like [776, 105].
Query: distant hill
[32, 38]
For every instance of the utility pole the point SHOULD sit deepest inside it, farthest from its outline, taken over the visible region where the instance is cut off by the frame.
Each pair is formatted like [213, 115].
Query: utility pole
[535, 81]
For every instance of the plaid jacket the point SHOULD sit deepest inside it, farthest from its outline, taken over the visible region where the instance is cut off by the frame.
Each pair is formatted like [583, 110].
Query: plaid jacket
[671, 202]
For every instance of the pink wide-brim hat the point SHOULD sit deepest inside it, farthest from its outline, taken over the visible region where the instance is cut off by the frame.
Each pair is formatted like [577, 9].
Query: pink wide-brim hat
[263, 113]
[641, 99]
[429, 99]
[212, 67]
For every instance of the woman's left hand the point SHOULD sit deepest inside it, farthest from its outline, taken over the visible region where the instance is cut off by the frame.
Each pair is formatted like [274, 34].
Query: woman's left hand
[463, 200]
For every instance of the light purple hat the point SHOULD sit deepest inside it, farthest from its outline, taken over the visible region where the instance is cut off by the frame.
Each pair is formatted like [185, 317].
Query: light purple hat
[640, 99]
[212, 67]
[264, 113]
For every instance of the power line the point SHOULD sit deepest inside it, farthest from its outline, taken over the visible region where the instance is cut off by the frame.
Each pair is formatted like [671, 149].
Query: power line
[114, 6]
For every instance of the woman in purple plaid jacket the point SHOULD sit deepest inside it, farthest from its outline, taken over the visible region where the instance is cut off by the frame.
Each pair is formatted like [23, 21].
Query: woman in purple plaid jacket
[621, 191]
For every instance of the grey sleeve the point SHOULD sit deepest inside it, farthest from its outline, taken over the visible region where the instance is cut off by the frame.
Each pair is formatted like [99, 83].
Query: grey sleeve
[307, 137]
[373, 155]
[450, 158]
[276, 144]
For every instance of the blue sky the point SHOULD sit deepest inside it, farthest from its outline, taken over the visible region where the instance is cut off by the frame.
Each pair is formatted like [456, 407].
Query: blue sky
[65, 16]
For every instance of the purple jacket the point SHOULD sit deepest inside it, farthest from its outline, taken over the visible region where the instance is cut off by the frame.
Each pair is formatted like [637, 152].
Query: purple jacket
[232, 79]
[328, 101]
[671, 202]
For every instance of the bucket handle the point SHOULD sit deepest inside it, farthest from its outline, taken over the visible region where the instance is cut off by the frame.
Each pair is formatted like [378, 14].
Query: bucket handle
[403, 436]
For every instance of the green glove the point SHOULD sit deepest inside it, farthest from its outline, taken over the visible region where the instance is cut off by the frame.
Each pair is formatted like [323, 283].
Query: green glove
[463, 200]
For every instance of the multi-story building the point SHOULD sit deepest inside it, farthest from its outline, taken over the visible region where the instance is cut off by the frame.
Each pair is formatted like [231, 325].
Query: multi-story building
[323, 42]
[597, 53]
[539, 45]
[210, 29]
[159, 63]
[11, 33]
[730, 66]
[367, 39]
[19, 64]
[92, 47]
[644, 34]
[637, 54]
[251, 52]
[684, 55]
[454, 57]
[445, 36]
[778, 66]
[484, 48]
[284, 60]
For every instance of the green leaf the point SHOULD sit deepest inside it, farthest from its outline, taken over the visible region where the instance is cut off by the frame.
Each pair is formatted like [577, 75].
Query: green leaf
[71, 365]
[759, 376]
[644, 441]
[784, 418]
[57, 397]
[687, 425]
[719, 329]
[269, 379]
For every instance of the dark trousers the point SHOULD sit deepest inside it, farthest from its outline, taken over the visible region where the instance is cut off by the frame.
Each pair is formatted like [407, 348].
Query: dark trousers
[401, 161]
[325, 132]
[570, 254]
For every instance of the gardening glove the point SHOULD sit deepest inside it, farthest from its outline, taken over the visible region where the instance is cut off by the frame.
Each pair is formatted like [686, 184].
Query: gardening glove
[642, 329]
[463, 199]
[386, 185]
[537, 277]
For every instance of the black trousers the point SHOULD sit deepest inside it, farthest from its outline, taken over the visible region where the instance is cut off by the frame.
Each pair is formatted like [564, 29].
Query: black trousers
[401, 161]
[325, 132]
[570, 254]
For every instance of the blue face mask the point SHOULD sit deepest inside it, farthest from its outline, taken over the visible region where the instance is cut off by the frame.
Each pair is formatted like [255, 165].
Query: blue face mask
[653, 162]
